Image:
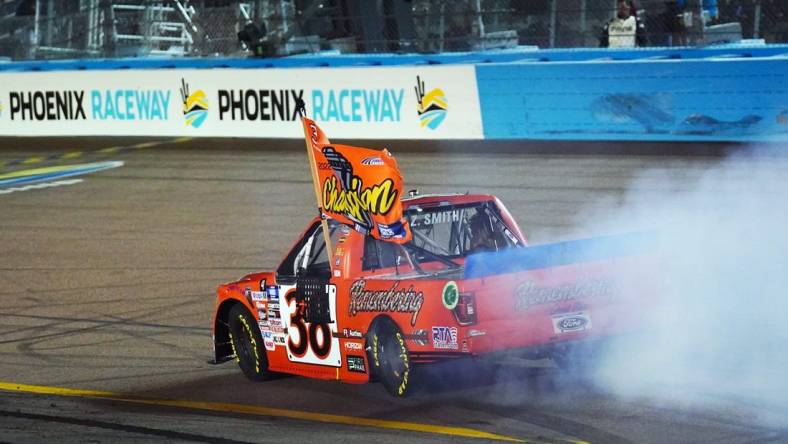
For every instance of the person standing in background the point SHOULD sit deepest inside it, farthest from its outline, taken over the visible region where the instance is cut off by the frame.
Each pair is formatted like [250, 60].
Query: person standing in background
[710, 6]
[624, 30]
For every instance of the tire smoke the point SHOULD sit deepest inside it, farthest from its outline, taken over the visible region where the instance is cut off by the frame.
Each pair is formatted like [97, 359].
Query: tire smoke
[720, 335]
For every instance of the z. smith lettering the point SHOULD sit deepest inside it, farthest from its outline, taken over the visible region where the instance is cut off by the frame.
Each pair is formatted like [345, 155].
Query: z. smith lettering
[47, 105]
[263, 104]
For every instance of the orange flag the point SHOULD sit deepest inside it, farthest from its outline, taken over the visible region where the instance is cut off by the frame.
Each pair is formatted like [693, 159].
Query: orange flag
[359, 187]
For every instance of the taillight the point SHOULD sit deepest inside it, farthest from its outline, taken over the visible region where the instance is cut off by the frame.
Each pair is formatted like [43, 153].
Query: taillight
[465, 311]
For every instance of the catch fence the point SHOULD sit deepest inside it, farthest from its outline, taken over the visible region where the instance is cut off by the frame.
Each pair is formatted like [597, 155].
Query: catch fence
[58, 29]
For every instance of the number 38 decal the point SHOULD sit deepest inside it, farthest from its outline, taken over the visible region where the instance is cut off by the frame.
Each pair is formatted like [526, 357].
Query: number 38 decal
[311, 342]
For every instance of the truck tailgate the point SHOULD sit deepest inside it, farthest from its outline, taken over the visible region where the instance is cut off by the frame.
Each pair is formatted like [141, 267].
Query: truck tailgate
[565, 291]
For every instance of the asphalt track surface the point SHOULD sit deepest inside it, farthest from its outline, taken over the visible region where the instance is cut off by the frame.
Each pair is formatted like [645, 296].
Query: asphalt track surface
[107, 287]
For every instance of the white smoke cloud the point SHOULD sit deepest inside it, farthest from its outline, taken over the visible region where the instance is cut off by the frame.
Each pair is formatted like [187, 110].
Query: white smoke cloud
[722, 328]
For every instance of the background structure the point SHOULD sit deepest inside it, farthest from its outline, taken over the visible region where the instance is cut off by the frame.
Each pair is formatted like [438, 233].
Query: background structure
[60, 29]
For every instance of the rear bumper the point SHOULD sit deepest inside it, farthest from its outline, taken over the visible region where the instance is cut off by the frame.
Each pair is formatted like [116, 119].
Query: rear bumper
[545, 351]
[544, 331]
[586, 347]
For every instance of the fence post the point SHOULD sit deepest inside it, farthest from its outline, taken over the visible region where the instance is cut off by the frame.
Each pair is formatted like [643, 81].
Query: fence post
[583, 22]
[553, 13]
[108, 28]
[442, 26]
[36, 28]
[49, 22]
[480, 23]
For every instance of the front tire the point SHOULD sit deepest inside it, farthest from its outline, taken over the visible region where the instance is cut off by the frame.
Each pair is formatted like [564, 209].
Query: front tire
[389, 358]
[247, 343]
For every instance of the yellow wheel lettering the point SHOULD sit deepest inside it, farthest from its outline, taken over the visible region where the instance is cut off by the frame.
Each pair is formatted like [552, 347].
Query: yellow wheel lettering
[232, 346]
[404, 357]
[251, 339]
[375, 349]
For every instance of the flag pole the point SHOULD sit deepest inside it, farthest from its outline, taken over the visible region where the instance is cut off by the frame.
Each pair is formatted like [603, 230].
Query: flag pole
[301, 108]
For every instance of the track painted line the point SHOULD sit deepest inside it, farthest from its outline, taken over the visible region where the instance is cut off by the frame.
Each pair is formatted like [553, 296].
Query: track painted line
[100, 151]
[38, 186]
[54, 172]
[267, 411]
[145, 145]
[71, 155]
[32, 160]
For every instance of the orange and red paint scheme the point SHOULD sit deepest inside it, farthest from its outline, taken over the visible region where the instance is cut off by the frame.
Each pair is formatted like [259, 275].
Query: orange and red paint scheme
[381, 308]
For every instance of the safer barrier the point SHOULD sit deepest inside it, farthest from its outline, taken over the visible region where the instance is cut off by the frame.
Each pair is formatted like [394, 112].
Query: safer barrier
[714, 99]
[726, 93]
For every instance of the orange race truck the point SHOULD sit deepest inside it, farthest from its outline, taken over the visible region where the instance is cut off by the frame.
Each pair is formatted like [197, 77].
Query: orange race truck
[465, 285]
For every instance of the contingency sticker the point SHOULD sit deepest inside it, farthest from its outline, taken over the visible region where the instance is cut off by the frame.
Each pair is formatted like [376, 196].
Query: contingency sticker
[444, 337]
[257, 295]
[268, 340]
[273, 293]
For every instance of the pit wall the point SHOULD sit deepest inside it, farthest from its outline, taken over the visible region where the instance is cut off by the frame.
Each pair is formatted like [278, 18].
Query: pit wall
[721, 94]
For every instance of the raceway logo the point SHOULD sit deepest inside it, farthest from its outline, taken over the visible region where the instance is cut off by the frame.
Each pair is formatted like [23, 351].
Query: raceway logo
[432, 107]
[110, 104]
[357, 105]
[130, 104]
[47, 105]
[195, 105]
[259, 104]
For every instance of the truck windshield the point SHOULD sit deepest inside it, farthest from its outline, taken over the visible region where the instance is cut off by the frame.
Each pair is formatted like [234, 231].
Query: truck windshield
[455, 231]
[443, 236]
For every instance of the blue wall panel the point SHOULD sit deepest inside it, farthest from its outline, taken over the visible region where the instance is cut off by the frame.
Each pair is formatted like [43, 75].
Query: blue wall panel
[725, 99]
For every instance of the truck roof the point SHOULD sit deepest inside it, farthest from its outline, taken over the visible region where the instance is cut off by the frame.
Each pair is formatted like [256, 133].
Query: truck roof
[451, 198]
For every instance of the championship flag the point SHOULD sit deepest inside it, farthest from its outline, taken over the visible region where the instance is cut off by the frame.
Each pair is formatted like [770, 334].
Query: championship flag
[359, 187]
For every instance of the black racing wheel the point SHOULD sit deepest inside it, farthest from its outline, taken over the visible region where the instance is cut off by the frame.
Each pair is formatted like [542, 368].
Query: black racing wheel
[388, 356]
[248, 344]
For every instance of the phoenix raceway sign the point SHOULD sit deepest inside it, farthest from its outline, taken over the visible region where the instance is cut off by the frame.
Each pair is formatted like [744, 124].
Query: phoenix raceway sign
[359, 103]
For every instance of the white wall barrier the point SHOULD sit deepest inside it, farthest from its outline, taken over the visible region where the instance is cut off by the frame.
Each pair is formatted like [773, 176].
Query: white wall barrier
[358, 103]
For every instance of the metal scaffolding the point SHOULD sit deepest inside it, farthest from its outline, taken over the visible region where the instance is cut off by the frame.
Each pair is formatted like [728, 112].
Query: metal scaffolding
[44, 29]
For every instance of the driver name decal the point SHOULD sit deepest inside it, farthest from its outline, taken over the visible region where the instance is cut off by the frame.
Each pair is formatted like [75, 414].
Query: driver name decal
[435, 218]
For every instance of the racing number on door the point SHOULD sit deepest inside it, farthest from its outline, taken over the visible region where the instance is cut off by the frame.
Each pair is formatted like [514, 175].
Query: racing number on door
[310, 342]
[307, 333]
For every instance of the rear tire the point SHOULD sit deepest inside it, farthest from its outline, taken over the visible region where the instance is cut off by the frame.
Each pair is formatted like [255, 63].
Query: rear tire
[247, 343]
[389, 358]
